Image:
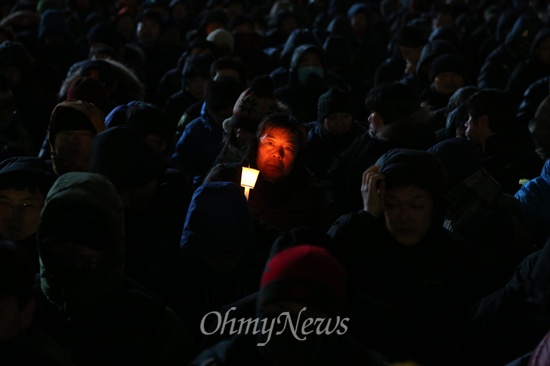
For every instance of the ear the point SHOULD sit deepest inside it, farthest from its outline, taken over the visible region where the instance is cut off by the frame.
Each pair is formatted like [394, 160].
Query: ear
[484, 120]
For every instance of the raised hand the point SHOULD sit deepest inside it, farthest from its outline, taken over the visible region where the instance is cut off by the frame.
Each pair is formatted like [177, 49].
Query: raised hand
[373, 191]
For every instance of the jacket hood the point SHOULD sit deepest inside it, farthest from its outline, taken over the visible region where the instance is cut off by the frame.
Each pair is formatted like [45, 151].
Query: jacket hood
[299, 52]
[81, 210]
[419, 168]
[298, 37]
[430, 51]
[94, 114]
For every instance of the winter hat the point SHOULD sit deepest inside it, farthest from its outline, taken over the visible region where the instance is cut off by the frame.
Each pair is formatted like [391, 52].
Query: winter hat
[104, 33]
[90, 90]
[14, 53]
[221, 38]
[394, 101]
[101, 70]
[307, 275]
[123, 155]
[460, 157]
[30, 169]
[53, 21]
[44, 5]
[334, 101]
[72, 115]
[447, 63]
[254, 104]
[411, 37]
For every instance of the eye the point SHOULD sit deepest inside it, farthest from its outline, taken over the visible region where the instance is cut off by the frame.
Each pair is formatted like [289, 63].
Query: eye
[270, 143]
[289, 148]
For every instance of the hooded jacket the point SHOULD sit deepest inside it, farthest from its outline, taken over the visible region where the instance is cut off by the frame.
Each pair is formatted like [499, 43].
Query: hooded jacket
[94, 115]
[433, 282]
[86, 303]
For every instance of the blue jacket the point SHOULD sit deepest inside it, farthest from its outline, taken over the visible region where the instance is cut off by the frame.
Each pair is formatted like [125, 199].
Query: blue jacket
[534, 196]
[198, 147]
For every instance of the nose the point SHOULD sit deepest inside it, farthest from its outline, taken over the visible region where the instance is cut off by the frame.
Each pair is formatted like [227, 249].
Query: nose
[278, 153]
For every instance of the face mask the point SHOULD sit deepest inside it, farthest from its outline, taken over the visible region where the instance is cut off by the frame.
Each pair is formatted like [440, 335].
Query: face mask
[305, 74]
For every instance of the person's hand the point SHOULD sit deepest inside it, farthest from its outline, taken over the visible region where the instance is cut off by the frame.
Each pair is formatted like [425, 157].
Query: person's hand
[373, 191]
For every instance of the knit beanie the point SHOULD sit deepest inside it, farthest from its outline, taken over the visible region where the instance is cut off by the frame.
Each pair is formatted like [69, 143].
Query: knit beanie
[334, 101]
[411, 37]
[222, 38]
[307, 275]
[105, 33]
[14, 53]
[460, 157]
[123, 155]
[254, 104]
[447, 63]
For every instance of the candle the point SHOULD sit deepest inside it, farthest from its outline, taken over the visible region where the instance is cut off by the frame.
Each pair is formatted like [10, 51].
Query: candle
[248, 179]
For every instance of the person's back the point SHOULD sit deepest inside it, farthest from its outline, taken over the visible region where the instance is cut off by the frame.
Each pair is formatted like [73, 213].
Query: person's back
[508, 149]
[480, 211]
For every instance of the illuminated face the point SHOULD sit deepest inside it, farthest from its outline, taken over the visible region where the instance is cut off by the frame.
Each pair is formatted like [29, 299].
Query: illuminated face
[338, 123]
[408, 213]
[277, 151]
[448, 82]
[19, 213]
[73, 150]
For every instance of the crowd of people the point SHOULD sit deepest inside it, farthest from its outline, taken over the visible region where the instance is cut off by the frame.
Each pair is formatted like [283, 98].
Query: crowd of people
[401, 212]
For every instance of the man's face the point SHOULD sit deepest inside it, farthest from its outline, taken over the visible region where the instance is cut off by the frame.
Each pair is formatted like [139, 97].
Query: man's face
[73, 149]
[477, 130]
[408, 213]
[277, 151]
[196, 85]
[338, 123]
[448, 82]
[19, 213]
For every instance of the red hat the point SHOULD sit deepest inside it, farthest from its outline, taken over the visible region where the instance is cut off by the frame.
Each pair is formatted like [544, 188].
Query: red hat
[307, 275]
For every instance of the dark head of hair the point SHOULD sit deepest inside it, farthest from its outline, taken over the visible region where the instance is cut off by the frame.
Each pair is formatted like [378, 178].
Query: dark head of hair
[232, 63]
[394, 101]
[16, 273]
[222, 93]
[498, 105]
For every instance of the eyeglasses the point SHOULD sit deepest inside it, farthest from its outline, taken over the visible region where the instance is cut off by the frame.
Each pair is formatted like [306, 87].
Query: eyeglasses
[23, 208]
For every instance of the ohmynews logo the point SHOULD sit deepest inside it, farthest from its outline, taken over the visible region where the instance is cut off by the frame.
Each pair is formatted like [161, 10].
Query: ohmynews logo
[300, 326]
